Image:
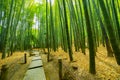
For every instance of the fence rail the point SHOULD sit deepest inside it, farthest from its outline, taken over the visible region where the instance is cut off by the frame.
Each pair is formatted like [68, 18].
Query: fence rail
[68, 73]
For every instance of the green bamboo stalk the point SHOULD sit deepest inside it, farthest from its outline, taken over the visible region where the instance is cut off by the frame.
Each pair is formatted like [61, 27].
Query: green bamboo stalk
[7, 31]
[52, 27]
[116, 20]
[48, 56]
[93, 26]
[67, 32]
[114, 42]
[104, 33]
[90, 39]
[82, 28]
[63, 31]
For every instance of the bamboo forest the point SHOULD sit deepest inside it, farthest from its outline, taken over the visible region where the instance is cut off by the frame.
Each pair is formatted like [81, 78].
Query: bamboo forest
[59, 39]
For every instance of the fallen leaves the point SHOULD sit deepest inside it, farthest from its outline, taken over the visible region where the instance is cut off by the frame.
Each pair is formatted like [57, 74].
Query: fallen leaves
[106, 67]
[11, 59]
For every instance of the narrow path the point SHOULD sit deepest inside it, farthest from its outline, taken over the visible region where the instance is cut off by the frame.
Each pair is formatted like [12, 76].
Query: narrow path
[35, 70]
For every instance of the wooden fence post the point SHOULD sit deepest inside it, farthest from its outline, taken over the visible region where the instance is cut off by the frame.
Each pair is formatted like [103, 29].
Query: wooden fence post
[60, 68]
[4, 72]
[25, 58]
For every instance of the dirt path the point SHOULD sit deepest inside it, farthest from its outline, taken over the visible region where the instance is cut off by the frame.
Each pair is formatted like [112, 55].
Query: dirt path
[51, 71]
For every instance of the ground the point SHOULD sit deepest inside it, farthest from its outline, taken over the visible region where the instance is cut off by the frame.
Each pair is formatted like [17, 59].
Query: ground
[106, 67]
[51, 71]
[16, 61]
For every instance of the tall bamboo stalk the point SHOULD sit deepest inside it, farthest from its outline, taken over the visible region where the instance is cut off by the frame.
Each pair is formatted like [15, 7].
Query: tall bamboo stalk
[7, 31]
[67, 32]
[109, 26]
[90, 39]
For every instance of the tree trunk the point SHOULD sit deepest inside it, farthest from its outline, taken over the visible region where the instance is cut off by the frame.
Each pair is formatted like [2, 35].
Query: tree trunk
[90, 39]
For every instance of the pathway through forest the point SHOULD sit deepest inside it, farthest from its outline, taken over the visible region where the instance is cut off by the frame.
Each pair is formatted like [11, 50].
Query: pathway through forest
[35, 70]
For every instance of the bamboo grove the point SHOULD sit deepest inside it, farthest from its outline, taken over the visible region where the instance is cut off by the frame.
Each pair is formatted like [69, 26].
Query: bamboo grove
[83, 24]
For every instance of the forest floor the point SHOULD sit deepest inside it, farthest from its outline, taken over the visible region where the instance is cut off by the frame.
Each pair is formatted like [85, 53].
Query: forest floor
[51, 71]
[106, 67]
[16, 64]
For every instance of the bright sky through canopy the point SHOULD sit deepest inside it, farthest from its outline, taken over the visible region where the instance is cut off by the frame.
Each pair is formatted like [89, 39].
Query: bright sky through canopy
[35, 26]
[40, 1]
